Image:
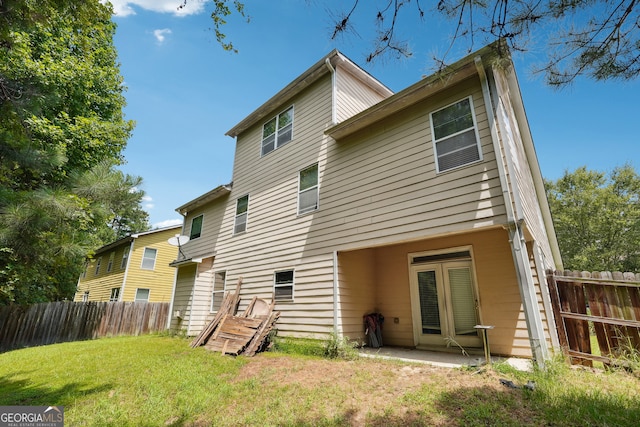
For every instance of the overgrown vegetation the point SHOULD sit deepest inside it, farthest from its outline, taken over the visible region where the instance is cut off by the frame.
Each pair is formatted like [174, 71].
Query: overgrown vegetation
[160, 380]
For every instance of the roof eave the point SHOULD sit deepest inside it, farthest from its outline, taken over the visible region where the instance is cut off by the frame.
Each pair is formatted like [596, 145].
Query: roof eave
[427, 87]
[216, 193]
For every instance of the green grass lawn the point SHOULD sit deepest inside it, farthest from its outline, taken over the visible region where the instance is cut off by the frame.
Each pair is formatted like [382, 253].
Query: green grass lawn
[161, 381]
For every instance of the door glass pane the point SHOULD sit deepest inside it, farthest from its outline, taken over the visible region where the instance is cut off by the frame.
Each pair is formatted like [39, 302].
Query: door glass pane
[464, 310]
[429, 311]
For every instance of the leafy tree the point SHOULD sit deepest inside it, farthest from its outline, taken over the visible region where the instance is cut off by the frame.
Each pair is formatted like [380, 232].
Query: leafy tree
[62, 133]
[597, 219]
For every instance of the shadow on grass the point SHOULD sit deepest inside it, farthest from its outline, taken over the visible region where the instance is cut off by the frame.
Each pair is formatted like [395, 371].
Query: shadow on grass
[21, 392]
[485, 406]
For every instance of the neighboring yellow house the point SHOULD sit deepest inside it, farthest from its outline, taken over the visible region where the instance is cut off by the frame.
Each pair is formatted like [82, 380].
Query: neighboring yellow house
[134, 268]
[426, 205]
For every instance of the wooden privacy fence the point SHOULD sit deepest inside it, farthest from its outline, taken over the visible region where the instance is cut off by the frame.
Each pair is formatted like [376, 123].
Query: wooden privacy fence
[54, 322]
[601, 303]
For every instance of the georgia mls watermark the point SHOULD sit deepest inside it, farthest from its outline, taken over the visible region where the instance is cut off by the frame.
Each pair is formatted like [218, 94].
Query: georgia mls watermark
[31, 416]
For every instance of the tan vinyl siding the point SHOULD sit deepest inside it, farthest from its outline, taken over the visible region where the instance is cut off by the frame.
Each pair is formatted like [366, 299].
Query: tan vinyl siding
[381, 186]
[183, 298]
[201, 305]
[352, 95]
[522, 182]
[212, 215]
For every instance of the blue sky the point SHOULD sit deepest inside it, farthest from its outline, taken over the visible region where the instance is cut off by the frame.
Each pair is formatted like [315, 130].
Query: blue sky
[185, 92]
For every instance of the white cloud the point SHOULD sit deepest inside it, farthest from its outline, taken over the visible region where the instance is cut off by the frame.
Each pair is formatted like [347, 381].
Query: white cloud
[161, 34]
[167, 223]
[123, 8]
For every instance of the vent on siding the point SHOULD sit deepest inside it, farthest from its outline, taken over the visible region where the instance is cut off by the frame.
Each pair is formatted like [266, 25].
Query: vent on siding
[463, 255]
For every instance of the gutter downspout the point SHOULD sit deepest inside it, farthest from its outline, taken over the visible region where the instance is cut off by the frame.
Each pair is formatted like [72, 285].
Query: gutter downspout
[175, 283]
[126, 270]
[334, 89]
[335, 292]
[516, 238]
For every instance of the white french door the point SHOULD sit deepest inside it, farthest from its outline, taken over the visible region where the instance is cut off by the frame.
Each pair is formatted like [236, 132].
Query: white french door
[444, 304]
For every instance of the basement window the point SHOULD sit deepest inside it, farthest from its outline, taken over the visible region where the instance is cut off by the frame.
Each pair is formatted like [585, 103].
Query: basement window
[283, 286]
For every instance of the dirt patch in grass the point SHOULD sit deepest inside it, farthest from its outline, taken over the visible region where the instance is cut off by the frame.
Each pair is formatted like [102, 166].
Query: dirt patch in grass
[367, 392]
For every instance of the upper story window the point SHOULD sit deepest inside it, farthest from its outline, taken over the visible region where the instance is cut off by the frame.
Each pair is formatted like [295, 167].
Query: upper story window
[242, 210]
[110, 263]
[283, 285]
[455, 135]
[98, 262]
[308, 190]
[125, 256]
[196, 227]
[149, 259]
[277, 131]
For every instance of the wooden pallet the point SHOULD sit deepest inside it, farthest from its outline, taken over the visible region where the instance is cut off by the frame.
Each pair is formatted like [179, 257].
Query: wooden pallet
[243, 334]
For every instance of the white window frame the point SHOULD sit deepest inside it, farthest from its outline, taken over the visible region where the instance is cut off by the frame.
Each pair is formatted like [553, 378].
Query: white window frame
[125, 257]
[140, 299]
[85, 296]
[115, 295]
[237, 216]
[284, 285]
[97, 270]
[191, 236]
[144, 257]
[315, 188]
[218, 293]
[276, 134]
[110, 263]
[453, 135]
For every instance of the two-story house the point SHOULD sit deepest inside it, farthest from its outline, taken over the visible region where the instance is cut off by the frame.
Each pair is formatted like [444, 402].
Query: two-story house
[134, 268]
[426, 205]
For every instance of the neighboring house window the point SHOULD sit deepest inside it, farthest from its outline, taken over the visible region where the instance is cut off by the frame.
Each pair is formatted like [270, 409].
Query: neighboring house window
[242, 208]
[149, 259]
[115, 294]
[142, 295]
[196, 227]
[283, 286]
[85, 296]
[125, 256]
[110, 263]
[308, 190]
[277, 131]
[455, 135]
[218, 290]
[86, 267]
[98, 262]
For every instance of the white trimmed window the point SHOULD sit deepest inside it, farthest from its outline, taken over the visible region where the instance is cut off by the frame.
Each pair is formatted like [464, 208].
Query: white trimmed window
[283, 285]
[455, 135]
[98, 262]
[149, 259]
[110, 263]
[142, 295]
[242, 210]
[115, 294]
[196, 227]
[277, 131]
[308, 190]
[85, 296]
[218, 290]
[125, 256]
